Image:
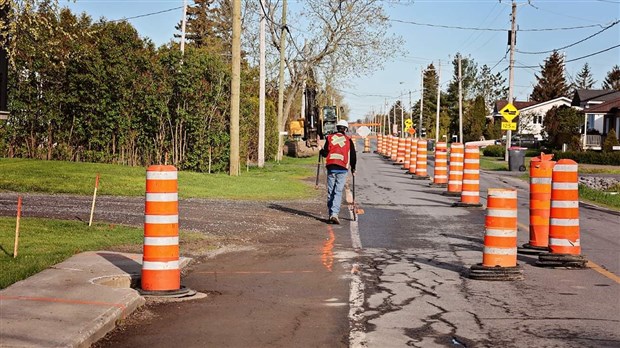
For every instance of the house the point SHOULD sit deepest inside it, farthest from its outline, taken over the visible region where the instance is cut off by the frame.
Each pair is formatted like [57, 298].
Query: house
[531, 114]
[600, 108]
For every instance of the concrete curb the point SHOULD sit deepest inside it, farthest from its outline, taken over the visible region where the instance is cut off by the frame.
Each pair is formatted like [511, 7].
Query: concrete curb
[72, 304]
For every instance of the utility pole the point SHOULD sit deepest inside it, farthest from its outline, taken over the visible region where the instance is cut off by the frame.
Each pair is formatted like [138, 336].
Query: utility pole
[183, 24]
[261, 92]
[438, 103]
[410, 111]
[460, 102]
[235, 86]
[402, 118]
[281, 83]
[421, 103]
[511, 74]
[4, 67]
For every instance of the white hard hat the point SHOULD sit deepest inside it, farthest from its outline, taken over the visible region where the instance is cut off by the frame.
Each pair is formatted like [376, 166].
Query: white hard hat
[342, 123]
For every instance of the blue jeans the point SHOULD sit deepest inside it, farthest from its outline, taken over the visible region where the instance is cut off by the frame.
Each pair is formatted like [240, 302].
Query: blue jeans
[335, 185]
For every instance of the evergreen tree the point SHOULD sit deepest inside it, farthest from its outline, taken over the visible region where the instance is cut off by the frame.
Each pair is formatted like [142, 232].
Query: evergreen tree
[430, 99]
[209, 25]
[469, 70]
[611, 140]
[551, 82]
[612, 81]
[492, 87]
[584, 78]
[562, 125]
[474, 120]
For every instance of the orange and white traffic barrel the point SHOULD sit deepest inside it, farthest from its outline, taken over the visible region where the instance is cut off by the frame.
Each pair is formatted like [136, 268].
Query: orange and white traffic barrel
[440, 172]
[420, 170]
[160, 263]
[400, 151]
[499, 256]
[564, 238]
[541, 170]
[455, 174]
[366, 145]
[394, 148]
[414, 156]
[379, 144]
[470, 193]
[407, 162]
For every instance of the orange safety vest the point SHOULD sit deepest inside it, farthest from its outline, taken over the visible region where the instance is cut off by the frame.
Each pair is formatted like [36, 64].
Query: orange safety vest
[338, 147]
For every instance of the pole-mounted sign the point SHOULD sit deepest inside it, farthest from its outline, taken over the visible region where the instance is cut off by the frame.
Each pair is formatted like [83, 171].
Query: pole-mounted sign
[509, 112]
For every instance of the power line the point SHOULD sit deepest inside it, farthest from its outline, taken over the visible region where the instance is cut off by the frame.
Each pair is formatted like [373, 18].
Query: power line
[147, 14]
[574, 43]
[574, 59]
[491, 29]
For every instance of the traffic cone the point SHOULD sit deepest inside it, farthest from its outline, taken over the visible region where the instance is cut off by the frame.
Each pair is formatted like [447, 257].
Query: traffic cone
[366, 145]
[499, 256]
[420, 170]
[470, 194]
[414, 156]
[407, 162]
[400, 152]
[455, 176]
[564, 239]
[541, 170]
[440, 172]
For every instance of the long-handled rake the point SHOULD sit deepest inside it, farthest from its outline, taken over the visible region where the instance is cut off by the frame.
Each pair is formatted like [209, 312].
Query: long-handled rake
[318, 169]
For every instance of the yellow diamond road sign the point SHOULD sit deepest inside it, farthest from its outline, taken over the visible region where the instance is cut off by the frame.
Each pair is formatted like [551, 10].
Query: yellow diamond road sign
[509, 112]
[408, 122]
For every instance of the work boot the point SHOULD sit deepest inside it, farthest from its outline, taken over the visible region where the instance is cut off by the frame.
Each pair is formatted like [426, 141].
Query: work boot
[334, 219]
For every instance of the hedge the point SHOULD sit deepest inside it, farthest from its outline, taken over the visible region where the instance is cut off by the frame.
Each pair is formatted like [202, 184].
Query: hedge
[494, 151]
[590, 157]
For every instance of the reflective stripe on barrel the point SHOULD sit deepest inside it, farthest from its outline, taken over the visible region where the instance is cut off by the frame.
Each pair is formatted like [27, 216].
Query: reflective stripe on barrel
[394, 152]
[564, 210]
[455, 176]
[160, 263]
[500, 237]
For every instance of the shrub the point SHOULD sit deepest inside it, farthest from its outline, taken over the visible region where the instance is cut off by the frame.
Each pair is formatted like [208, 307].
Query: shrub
[590, 157]
[611, 140]
[494, 151]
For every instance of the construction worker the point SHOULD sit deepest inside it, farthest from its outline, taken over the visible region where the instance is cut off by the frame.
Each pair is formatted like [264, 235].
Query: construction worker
[339, 152]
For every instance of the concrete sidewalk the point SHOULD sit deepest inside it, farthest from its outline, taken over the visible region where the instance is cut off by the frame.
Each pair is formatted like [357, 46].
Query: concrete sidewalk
[71, 304]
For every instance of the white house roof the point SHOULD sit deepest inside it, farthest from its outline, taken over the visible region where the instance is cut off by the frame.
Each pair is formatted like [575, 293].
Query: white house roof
[562, 100]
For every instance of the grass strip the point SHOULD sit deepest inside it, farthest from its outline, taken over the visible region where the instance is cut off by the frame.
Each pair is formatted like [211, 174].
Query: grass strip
[608, 199]
[273, 182]
[46, 242]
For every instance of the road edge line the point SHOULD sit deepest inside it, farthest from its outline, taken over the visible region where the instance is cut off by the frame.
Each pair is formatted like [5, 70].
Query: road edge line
[357, 335]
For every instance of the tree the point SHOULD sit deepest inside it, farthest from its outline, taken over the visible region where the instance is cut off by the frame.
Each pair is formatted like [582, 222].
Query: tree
[492, 87]
[611, 140]
[350, 38]
[474, 120]
[612, 81]
[429, 110]
[584, 79]
[562, 125]
[551, 82]
[469, 70]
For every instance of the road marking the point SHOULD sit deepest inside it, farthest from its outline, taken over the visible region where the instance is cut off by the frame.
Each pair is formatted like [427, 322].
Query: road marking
[590, 264]
[357, 336]
[327, 253]
[63, 300]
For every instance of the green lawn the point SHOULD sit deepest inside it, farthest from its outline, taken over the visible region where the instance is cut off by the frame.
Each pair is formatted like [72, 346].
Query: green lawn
[275, 181]
[44, 242]
[607, 199]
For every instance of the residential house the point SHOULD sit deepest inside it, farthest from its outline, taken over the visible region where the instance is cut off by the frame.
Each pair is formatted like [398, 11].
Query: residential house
[600, 108]
[531, 114]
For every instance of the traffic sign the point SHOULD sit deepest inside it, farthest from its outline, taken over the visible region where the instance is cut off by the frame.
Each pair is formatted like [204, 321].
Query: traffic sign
[408, 122]
[509, 112]
[509, 126]
[363, 131]
[411, 131]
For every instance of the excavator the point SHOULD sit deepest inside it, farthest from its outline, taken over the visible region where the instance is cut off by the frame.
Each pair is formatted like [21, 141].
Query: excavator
[305, 134]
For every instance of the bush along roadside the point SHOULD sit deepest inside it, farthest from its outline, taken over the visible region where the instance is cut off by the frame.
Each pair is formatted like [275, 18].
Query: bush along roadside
[590, 157]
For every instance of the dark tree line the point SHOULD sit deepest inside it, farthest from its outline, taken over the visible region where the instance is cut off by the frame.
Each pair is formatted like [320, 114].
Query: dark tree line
[95, 91]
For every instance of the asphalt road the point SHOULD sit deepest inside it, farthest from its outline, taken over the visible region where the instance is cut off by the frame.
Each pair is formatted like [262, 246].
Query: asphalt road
[395, 277]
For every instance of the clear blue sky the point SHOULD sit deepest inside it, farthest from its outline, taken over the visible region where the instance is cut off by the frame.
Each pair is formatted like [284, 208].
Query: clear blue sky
[426, 44]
